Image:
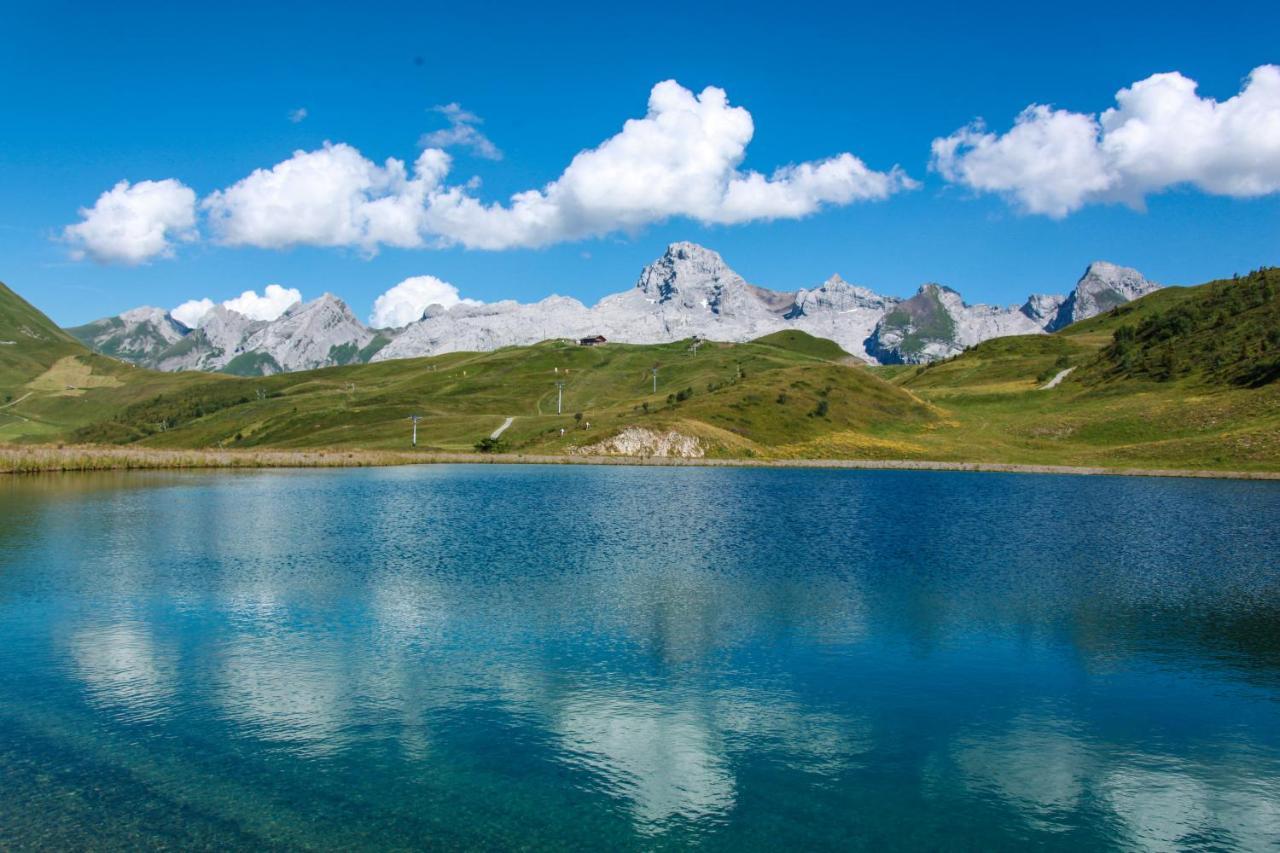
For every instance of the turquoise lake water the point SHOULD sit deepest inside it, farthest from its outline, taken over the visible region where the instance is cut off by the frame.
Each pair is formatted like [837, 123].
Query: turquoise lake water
[584, 658]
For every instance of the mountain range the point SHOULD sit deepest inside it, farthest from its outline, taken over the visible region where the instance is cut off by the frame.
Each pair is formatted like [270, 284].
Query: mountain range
[689, 291]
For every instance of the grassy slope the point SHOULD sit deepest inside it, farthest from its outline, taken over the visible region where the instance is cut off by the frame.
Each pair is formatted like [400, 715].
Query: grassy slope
[1098, 415]
[51, 384]
[33, 342]
[788, 395]
[729, 397]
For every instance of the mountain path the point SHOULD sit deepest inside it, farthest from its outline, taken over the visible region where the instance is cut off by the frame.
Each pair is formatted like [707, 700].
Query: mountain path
[497, 433]
[1053, 383]
[17, 401]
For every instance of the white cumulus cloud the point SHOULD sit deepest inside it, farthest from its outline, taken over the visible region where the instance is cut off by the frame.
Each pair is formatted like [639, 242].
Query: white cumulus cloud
[682, 159]
[270, 304]
[133, 223]
[273, 302]
[1160, 134]
[404, 303]
[192, 311]
[333, 196]
[461, 131]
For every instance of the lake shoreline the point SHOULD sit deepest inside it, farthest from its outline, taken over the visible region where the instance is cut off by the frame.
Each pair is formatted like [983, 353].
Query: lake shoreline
[40, 459]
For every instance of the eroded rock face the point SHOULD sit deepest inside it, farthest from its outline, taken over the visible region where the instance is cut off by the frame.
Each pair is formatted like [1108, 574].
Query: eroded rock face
[1102, 287]
[936, 323]
[641, 441]
[318, 334]
[840, 312]
[1042, 308]
[134, 336]
[688, 291]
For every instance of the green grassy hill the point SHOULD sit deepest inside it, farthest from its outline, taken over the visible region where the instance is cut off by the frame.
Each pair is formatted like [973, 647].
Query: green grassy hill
[726, 394]
[739, 399]
[29, 342]
[1185, 377]
[1226, 333]
[51, 384]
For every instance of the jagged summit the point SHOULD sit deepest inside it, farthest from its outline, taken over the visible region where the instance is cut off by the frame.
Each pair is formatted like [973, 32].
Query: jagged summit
[1103, 286]
[135, 335]
[687, 269]
[150, 314]
[1042, 307]
[688, 290]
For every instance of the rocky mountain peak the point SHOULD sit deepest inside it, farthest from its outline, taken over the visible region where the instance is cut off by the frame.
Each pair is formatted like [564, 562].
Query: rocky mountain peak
[225, 329]
[687, 291]
[1103, 286]
[328, 306]
[1104, 274]
[147, 314]
[835, 295]
[688, 270]
[1042, 307]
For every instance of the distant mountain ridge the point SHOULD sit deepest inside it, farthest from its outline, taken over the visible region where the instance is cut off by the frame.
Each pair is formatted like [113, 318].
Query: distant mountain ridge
[688, 291]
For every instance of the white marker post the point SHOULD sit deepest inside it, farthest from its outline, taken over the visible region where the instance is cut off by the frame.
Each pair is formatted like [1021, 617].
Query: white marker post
[415, 419]
[560, 397]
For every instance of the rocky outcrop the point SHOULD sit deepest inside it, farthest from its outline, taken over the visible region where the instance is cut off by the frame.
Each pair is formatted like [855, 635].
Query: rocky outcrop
[489, 326]
[688, 291]
[641, 441]
[1042, 308]
[1102, 287]
[134, 336]
[936, 323]
[318, 334]
[840, 312]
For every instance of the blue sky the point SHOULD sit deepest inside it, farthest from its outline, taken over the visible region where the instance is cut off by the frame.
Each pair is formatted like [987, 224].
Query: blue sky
[92, 94]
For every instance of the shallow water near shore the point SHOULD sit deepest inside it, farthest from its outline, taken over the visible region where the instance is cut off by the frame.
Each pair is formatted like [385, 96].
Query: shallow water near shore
[638, 658]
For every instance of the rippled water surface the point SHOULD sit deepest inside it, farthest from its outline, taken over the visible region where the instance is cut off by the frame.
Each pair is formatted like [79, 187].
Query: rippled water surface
[591, 658]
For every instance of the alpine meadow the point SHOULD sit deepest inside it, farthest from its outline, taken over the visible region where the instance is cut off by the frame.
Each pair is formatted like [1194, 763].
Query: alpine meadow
[1183, 378]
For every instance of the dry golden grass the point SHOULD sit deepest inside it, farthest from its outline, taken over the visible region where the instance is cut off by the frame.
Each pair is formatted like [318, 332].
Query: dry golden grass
[37, 458]
[69, 377]
[848, 444]
[34, 459]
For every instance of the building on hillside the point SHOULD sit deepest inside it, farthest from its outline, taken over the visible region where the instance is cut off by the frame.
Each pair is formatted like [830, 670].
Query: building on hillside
[595, 340]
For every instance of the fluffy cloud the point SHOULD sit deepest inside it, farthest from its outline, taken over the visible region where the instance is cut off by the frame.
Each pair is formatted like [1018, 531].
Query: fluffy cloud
[1160, 134]
[329, 197]
[404, 303]
[461, 131]
[192, 311]
[273, 302]
[681, 159]
[298, 116]
[133, 223]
